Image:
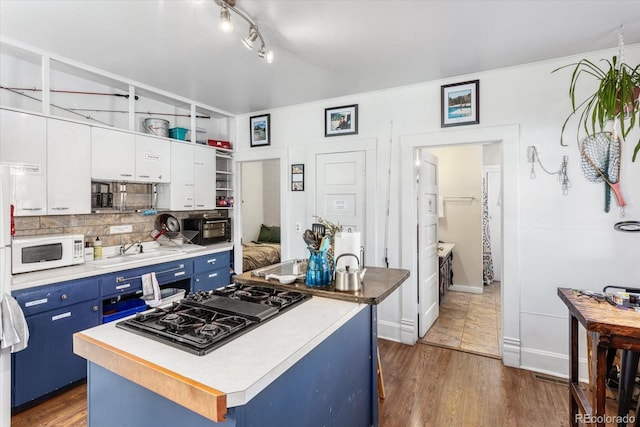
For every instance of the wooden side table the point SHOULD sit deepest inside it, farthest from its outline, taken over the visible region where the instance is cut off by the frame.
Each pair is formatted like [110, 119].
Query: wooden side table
[608, 327]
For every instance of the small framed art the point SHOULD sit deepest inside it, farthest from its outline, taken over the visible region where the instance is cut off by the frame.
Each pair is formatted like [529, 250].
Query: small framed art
[341, 120]
[460, 104]
[297, 177]
[260, 130]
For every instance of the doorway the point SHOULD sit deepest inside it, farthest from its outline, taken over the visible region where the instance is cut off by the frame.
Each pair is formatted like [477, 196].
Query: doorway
[469, 195]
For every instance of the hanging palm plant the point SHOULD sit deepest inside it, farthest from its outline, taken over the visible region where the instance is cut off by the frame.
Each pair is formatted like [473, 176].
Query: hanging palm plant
[615, 99]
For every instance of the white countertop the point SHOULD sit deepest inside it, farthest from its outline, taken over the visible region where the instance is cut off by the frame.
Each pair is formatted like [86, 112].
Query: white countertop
[88, 269]
[444, 249]
[245, 366]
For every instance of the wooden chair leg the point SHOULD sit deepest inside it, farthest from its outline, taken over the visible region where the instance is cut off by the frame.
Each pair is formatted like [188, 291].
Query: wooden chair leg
[381, 393]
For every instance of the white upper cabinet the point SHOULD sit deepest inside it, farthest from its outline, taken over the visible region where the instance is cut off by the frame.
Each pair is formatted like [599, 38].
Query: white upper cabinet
[68, 168]
[204, 190]
[113, 155]
[124, 156]
[193, 172]
[23, 144]
[153, 162]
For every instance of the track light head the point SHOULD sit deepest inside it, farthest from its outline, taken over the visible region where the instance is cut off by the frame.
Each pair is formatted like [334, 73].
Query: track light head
[225, 24]
[248, 41]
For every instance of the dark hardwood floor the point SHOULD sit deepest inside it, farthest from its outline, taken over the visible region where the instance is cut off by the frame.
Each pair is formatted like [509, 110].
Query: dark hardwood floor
[425, 386]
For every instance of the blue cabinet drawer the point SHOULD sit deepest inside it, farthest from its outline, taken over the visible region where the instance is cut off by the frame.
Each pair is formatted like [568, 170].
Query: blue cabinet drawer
[45, 298]
[211, 262]
[173, 271]
[211, 280]
[130, 281]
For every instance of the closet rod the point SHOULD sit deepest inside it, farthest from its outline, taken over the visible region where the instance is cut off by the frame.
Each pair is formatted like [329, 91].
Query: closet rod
[459, 198]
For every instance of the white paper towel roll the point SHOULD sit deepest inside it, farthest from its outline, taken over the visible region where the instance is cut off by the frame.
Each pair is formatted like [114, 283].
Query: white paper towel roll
[347, 243]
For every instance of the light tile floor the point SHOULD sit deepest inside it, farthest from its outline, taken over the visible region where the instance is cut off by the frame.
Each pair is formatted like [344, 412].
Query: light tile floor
[469, 322]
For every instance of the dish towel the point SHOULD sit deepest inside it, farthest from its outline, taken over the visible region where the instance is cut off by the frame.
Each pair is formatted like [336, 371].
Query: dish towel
[14, 331]
[151, 289]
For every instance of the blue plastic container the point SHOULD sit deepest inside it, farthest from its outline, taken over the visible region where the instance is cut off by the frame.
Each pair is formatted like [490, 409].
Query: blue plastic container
[178, 133]
[122, 309]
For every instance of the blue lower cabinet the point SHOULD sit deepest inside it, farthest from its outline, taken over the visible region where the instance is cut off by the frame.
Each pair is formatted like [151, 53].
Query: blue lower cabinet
[333, 385]
[48, 363]
[211, 272]
[211, 280]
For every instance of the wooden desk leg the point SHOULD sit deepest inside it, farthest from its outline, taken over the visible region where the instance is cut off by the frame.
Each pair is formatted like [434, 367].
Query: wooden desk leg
[573, 368]
[601, 376]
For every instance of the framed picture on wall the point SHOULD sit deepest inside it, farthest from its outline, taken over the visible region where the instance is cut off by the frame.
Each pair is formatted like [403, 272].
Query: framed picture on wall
[341, 120]
[297, 177]
[260, 130]
[460, 104]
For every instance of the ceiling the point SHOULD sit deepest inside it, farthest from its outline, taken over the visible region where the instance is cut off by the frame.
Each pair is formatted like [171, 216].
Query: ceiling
[322, 48]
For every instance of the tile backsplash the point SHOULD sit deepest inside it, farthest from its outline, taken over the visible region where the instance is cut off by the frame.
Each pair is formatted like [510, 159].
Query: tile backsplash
[96, 224]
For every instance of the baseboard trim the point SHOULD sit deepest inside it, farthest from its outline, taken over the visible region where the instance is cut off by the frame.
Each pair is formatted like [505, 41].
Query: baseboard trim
[556, 364]
[511, 352]
[389, 331]
[464, 288]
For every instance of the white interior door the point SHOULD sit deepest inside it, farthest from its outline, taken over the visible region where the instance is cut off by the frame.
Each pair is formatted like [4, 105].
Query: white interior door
[428, 268]
[340, 189]
[494, 200]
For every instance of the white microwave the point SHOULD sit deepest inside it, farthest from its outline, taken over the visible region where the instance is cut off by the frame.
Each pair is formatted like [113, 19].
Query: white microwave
[32, 253]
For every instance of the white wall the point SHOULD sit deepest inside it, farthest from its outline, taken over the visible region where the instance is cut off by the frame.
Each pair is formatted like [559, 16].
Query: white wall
[553, 239]
[252, 200]
[260, 196]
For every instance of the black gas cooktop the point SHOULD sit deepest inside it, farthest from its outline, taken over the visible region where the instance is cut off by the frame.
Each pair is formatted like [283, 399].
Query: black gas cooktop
[204, 321]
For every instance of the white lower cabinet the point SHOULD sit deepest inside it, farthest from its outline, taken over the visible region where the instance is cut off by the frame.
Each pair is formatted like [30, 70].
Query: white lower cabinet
[68, 168]
[192, 186]
[23, 144]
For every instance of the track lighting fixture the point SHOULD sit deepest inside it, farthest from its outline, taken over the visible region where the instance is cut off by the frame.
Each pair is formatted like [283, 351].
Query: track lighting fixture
[226, 26]
[248, 41]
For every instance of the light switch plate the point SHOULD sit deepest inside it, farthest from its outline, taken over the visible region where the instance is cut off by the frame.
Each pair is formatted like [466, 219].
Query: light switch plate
[119, 229]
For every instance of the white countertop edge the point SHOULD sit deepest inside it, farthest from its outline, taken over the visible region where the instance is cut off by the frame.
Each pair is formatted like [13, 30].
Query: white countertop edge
[242, 397]
[87, 269]
[245, 366]
[446, 248]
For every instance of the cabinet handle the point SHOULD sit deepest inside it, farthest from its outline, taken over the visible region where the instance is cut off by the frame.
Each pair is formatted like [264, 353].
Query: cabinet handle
[143, 176]
[213, 275]
[211, 261]
[200, 206]
[197, 280]
[31, 209]
[60, 209]
[125, 174]
[94, 308]
[64, 297]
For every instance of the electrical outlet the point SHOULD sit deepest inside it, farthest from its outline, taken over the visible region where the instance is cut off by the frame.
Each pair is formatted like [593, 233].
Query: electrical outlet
[119, 229]
[298, 226]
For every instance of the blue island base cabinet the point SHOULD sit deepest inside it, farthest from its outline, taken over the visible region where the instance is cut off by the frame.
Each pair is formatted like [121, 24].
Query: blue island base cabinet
[333, 385]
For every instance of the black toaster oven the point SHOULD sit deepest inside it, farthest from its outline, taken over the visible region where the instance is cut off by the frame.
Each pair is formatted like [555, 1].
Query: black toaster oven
[210, 230]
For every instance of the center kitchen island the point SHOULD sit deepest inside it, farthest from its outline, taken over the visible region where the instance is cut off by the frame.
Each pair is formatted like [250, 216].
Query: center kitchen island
[315, 364]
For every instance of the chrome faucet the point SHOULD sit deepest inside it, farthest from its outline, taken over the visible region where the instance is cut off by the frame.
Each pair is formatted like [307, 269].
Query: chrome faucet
[125, 248]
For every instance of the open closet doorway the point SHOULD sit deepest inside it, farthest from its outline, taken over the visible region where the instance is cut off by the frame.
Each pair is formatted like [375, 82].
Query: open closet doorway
[261, 228]
[470, 255]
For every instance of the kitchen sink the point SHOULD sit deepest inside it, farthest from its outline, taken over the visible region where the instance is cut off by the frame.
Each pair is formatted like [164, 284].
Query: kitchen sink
[121, 260]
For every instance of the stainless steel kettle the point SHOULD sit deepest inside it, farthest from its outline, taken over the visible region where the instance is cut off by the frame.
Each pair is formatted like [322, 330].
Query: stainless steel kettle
[348, 279]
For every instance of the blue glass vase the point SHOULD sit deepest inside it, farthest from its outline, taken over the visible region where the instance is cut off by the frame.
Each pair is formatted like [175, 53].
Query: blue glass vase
[319, 270]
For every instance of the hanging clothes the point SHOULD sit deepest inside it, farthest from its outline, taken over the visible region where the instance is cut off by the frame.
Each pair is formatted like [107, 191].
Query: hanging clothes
[487, 260]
